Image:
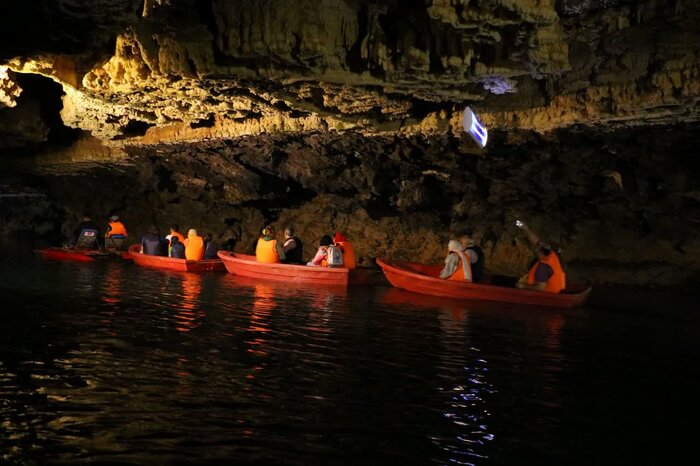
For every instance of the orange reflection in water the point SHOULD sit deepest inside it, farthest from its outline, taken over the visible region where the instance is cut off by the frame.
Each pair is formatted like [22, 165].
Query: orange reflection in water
[455, 309]
[188, 317]
[263, 305]
[112, 292]
[112, 286]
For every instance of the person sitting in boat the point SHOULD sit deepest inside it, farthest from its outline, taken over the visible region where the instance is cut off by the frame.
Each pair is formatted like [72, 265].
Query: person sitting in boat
[116, 233]
[194, 246]
[152, 243]
[474, 253]
[346, 248]
[177, 248]
[328, 255]
[457, 264]
[268, 249]
[546, 272]
[210, 247]
[86, 234]
[174, 231]
[293, 247]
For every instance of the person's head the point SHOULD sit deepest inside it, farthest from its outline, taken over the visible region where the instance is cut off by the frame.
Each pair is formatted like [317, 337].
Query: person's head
[269, 230]
[326, 240]
[209, 237]
[465, 236]
[174, 240]
[289, 232]
[455, 245]
[338, 237]
[174, 227]
[114, 218]
[192, 232]
[153, 230]
[543, 250]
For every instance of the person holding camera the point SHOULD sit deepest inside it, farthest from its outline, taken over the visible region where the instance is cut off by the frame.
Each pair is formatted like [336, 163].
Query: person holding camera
[546, 273]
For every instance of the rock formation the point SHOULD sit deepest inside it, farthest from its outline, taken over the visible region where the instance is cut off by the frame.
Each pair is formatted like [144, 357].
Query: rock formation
[346, 114]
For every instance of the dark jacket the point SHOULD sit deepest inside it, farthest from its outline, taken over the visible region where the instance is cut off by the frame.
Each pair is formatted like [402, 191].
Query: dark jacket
[478, 266]
[210, 250]
[153, 245]
[177, 250]
[87, 225]
[295, 255]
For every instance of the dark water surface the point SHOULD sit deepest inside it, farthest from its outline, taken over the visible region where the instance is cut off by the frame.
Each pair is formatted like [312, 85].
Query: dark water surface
[108, 363]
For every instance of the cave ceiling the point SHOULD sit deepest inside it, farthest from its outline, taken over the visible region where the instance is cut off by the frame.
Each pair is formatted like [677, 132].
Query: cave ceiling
[186, 70]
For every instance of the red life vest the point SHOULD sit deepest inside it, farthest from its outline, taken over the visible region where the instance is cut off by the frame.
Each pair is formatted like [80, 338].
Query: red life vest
[557, 282]
[349, 260]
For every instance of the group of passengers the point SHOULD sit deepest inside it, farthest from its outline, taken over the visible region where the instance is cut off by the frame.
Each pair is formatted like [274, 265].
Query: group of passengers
[175, 244]
[332, 252]
[193, 247]
[465, 262]
[87, 234]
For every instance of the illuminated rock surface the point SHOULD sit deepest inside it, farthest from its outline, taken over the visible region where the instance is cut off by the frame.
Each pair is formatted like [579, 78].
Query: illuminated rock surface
[346, 114]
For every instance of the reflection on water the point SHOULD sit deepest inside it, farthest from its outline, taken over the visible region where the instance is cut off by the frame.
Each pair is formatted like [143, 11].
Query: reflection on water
[466, 401]
[189, 315]
[114, 364]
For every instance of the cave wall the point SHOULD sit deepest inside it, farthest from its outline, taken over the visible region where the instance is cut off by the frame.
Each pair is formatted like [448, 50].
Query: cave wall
[345, 114]
[620, 216]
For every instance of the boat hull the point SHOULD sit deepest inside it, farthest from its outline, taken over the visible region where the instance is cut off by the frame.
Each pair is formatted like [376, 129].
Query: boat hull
[172, 263]
[247, 266]
[424, 279]
[72, 254]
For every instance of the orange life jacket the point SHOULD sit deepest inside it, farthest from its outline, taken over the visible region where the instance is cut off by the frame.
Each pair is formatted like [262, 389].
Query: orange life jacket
[557, 282]
[194, 248]
[179, 235]
[464, 269]
[116, 228]
[266, 251]
[324, 261]
[349, 261]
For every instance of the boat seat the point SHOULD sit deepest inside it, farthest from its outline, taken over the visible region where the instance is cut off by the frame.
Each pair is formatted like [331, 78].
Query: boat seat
[87, 239]
[115, 241]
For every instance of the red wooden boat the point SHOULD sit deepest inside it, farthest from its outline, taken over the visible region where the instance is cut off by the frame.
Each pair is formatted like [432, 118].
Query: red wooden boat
[172, 263]
[424, 279]
[248, 266]
[79, 255]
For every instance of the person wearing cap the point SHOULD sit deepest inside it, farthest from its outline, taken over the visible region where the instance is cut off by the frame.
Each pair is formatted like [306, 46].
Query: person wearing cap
[349, 260]
[293, 247]
[474, 253]
[194, 246]
[116, 233]
[268, 249]
[546, 273]
[457, 266]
